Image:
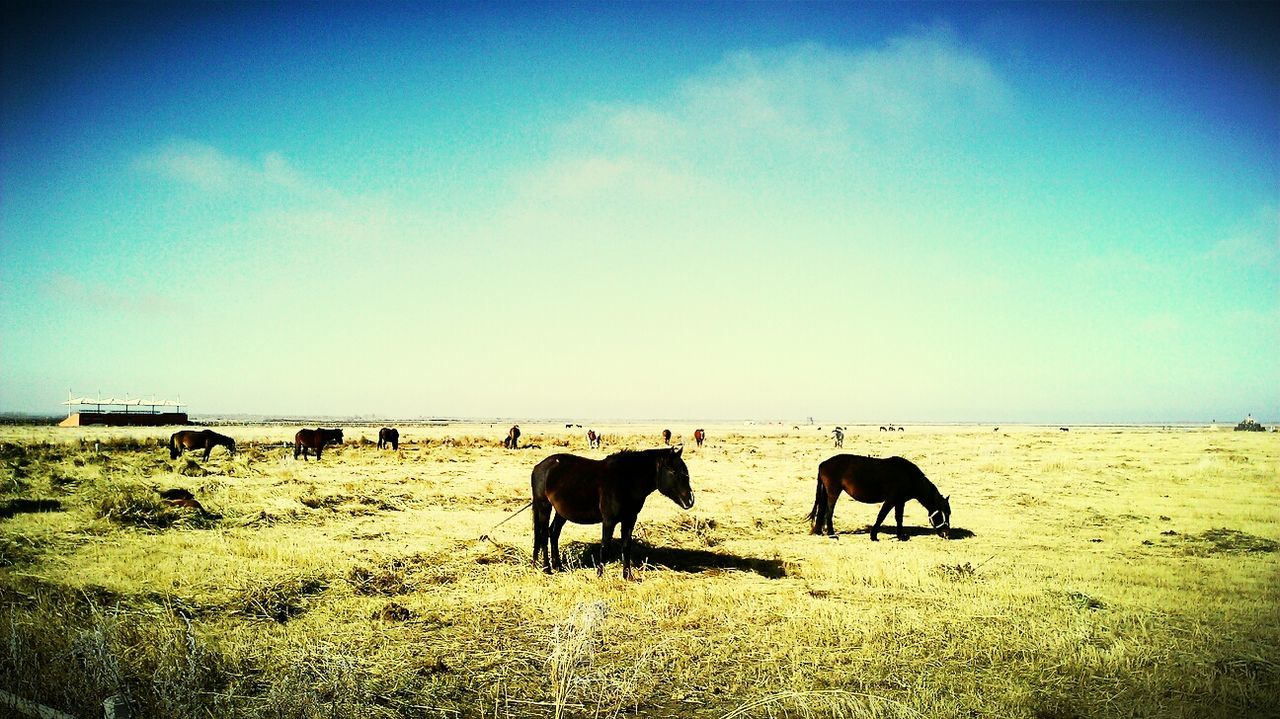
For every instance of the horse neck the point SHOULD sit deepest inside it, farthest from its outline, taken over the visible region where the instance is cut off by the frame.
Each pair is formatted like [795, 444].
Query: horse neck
[928, 495]
[640, 469]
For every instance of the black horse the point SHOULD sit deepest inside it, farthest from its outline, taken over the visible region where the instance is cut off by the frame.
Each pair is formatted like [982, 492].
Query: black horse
[513, 438]
[894, 481]
[389, 436]
[314, 439]
[607, 491]
[205, 439]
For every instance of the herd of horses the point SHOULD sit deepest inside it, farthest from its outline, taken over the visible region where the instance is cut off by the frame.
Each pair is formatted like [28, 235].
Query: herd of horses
[612, 491]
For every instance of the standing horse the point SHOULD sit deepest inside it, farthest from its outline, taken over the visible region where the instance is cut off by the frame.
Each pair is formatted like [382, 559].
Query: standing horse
[513, 438]
[699, 436]
[205, 439]
[314, 439]
[894, 481]
[666, 437]
[593, 439]
[389, 436]
[607, 491]
[838, 432]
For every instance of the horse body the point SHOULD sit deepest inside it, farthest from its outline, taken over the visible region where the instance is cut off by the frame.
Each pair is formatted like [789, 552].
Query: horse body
[838, 433]
[389, 436]
[513, 438]
[205, 439]
[609, 492]
[593, 439]
[893, 481]
[314, 439]
[666, 437]
[699, 436]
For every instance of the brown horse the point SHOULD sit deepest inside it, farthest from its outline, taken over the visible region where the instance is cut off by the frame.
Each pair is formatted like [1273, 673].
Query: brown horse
[593, 439]
[699, 436]
[513, 438]
[894, 481]
[314, 439]
[666, 437]
[607, 491]
[205, 439]
[389, 436]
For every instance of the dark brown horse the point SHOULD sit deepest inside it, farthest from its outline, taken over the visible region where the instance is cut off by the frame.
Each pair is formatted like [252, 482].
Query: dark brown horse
[593, 439]
[607, 491]
[699, 436]
[893, 481]
[205, 439]
[513, 438]
[389, 436]
[666, 437]
[315, 440]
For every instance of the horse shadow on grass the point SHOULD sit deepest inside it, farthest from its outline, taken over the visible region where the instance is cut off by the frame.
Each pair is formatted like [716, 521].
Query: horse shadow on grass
[15, 507]
[890, 533]
[692, 561]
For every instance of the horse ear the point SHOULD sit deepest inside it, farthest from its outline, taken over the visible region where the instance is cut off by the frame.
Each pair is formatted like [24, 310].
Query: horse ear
[679, 450]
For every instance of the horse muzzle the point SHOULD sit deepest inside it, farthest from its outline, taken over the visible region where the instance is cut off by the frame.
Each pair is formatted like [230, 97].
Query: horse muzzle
[686, 502]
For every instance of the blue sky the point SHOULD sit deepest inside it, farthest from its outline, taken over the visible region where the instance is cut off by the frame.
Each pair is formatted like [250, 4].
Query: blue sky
[883, 212]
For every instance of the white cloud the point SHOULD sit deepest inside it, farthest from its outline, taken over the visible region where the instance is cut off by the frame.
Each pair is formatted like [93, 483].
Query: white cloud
[1253, 243]
[212, 170]
[777, 114]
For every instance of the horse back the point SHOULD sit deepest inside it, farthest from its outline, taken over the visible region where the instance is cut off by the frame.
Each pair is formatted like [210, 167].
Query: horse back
[871, 479]
[571, 484]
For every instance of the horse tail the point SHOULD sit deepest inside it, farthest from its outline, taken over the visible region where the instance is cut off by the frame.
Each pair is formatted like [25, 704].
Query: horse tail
[173, 448]
[819, 505]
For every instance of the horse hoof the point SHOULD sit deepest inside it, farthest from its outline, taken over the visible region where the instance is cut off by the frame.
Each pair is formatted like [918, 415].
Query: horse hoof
[874, 538]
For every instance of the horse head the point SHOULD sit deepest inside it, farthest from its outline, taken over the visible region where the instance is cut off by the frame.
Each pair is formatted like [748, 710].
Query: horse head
[940, 516]
[673, 478]
[231, 445]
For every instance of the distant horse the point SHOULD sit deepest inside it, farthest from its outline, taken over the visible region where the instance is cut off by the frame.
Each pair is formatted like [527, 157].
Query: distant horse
[315, 440]
[893, 481]
[839, 435]
[389, 436]
[607, 491]
[205, 439]
[1063, 429]
[593, 439]
[666, 437]
[884, 429]
[513, 438]
[699, 436]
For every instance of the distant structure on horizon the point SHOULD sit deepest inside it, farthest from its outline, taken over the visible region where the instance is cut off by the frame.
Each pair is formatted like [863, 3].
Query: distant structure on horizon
[1248, 424]
[156, 414]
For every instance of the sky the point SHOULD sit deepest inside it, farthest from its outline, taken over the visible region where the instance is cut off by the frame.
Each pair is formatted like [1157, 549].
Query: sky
[903, 212]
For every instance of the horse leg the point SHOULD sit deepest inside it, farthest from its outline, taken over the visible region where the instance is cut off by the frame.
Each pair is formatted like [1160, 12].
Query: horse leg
[557, 523]
[897, 514]
[884, 512]
[606, 534]
[207, 449]
[831, 510]
[628, 524]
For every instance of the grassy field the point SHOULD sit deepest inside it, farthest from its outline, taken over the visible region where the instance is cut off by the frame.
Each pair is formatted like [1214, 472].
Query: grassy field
[1100, 573]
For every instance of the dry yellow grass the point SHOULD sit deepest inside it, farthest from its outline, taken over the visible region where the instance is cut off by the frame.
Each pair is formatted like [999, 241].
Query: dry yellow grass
[1105, 572]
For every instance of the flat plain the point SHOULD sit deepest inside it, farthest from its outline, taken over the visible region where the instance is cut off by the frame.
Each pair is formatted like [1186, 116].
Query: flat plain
[1100, 572]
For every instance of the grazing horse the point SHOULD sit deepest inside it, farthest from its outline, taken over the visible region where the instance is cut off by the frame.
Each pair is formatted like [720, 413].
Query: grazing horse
[839, 435]
[205, 439]
[593, 439]
[1063, 429]
[699, 436]
[389, 436]
[883, 429]
[666, 437]
[512, 440]
[314, 439]
[894, 481]
[607, 491]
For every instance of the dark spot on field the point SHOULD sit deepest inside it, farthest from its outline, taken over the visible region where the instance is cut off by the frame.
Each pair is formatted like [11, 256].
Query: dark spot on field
[20, 506]
[394, 612]
[1227, 541]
